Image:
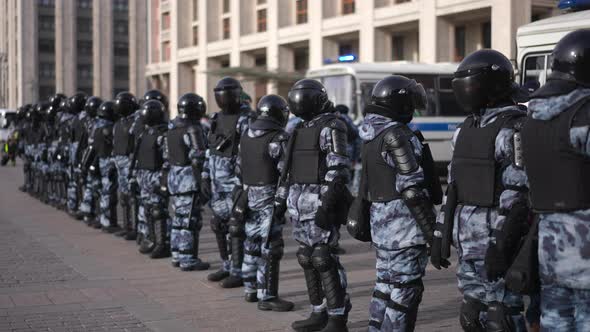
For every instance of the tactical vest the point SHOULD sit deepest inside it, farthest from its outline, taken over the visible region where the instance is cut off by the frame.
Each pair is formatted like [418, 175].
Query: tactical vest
[78, 130]
[122, 139]
[474, 168]
[258, 168]
[223, 138]
[103, 142]
[177, 149]
[149, 156]
[308, 165]
[559, 176]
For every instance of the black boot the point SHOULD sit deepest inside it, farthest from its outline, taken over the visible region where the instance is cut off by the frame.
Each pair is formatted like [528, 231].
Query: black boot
[147, 244]
[88, 219]
[251, 298]
[336, 324]
[317, 320]
[132, 215]
[335, 293]
[237, 257]
[198, 265]
[272, 288]
[126, 222]
[162, 249]
[222, 246]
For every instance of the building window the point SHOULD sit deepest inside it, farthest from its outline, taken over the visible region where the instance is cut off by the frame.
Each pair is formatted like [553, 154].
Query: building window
[260, 61]
[120, 5]
[301, 61]
[347, 7]
[121, 73]
[121, 27]
[46, 23]
[84, 72]
[84, 25]
[195, 10]
[46, 3]
[46, 70]
[344, 49]
[85, 4]
[225, 6]
[261, 20]
[226, 28]
[486, 35]
[165, 21]
[301, 11]
[121, 49]
[166, 51]
[46, 46]
[260, 2]
[85, 47]
[397, 47]
[401, 1]
[459, 43]
[195, 35]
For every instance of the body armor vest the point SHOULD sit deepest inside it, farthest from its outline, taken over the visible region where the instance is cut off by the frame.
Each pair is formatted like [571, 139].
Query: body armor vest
[149, 156]
[78, 129]
[377, 177]
[474, 167]
[308, 164]
[559, 176]
[177, 149]
[258, 168]
[122, 139]
[103, 142]
[223, 138]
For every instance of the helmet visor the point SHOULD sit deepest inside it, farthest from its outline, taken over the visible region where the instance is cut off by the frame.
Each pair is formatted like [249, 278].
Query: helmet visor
[419, 97]
[470, 92]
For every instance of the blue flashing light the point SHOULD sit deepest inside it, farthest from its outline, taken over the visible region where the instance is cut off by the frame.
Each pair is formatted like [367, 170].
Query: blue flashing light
[347, 58]
[574, 4]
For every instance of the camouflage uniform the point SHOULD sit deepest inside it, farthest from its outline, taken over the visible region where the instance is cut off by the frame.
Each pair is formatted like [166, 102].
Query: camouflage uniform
[399, 243]
[258, 220]
[108, 184]
[92, 186]
[184, 188]
[474, 226]
[73, 170]
[303, 201]
[564, 237]
[222, 173]
[61, 165]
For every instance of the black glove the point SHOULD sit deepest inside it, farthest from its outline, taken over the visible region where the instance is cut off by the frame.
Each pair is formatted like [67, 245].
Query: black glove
[435, 254]
[205, 194]
[163, 188]
[495, 263]
[280, 208]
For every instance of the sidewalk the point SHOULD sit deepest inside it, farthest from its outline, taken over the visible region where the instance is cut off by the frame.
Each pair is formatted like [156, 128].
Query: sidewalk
[56, 274]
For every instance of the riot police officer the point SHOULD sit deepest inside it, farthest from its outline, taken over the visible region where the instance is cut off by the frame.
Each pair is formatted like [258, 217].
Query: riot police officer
[556, 145]
[123, 143]
[76, 105]
[402, 214]
[89, 172]
[486, 193]
[146, 167]
[64, 119]
[261, 151]
[185, 152]
[316, 197]
[220, 178]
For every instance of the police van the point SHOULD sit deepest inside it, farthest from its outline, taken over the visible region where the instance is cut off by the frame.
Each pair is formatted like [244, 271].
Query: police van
[7, 121]
[536, 41]
[351, 84]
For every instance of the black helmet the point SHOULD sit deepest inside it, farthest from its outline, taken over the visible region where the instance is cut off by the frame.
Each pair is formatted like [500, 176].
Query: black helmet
[228, 94]
[342, 109]
[483, 77]
[106, 111]
[64, 106]
[273, 108]
[77, 102]
[400, 96]
[35, 113]
[153, 112]
[125, 103]
[51, 113]
[57, 99]
[92, 105]
[571, 58]
[308, 98]
[191, 105]
[156, 95]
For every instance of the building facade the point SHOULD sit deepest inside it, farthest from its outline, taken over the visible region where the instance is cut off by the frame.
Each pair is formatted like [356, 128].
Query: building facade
[270, 43]
[49, 46]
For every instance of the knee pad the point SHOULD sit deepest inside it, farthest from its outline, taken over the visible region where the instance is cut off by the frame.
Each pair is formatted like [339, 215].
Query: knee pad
[469, 314]
[412, 305]
[304, 257]
[156, 212]
[236, 229]
[276, 249]
[500, 318]
[322, 258]
[218, 225]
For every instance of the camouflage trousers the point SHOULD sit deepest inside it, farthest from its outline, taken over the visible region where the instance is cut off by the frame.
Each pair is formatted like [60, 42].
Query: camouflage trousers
[186, 225]
[398, 290]
[150, 199]
[108, 192]
[73, 173]
[91, 193]
[473, 283]
[221, 204]
[565, 309]
[122, 164]
[257, 256]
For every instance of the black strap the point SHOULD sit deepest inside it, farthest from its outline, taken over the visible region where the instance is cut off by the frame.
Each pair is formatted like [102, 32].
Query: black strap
[398, 307]
[255, 253]
[375, 324]
[382, 296]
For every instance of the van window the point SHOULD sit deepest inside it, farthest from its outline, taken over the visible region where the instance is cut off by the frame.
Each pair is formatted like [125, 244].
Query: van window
[446, 97]
[534, 69]
[366, 91]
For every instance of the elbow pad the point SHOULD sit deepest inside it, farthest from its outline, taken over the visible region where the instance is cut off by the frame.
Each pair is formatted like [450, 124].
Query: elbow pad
[422, 210]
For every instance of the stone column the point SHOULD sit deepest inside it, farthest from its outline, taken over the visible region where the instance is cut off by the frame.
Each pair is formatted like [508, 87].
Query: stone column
[314, 16]
[366, 9]
[428, 27]
[201, 76]
[272, 51]
[65, 46]
[28, 64]
[138, 46]
[102, 48]
[507, 16]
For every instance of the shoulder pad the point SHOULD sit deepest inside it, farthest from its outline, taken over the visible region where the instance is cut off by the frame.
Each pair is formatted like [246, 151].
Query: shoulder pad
[395, 137]
[281, 137]
[194, 129]
[582, 116]
[337, 124]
